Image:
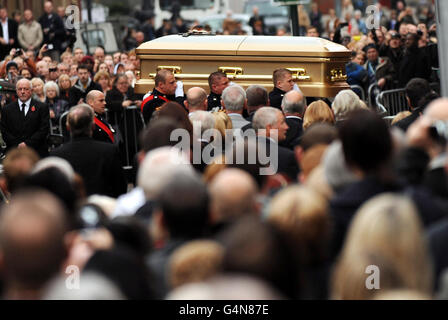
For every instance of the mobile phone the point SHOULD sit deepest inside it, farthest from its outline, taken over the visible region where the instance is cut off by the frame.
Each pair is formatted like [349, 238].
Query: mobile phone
[50, 47]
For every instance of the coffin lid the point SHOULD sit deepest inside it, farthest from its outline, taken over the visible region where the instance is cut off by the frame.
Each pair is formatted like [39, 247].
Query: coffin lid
[243, 46]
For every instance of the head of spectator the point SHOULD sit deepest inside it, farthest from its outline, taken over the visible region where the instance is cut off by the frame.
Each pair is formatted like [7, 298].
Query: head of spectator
[371, 51]
[103, 79]
[318, 112]
[366, 142]
[156, 135]
[42, 69]
[386, 231]
[124, 58]
[3, 13]
[48, 7]
[38, 89]
[79, 55]
[312, 31]
[26, 73]
[17, 16]
[32, 243]
[218, 81]
[165, 82]
[131, 78]
[233, 99]
[99, 54]
[80, 121]
[67, 58]
[416, 89]
[88, 62]
[121, 82]
[270, 122]
[139, 37]
[51, 91]
[24, 89]
[103, 67]
[301, 216]
[119, 68]
[12, 69]
[17, 164]
[183, 206]
[97, 101]
[395, 40]
[54, 72]
[411, 41]
[74, 71]
[47, 59]
[283, 79]
[116, 57]
[28, 16]
[195, 261]
[294, 104]
[256, 249]
[63, 69]
[202, 121]
[345, 102]
[222, 122]
[257, 97]
[83, 74]
[233, 194]
[196, 100]
[176, 112]
[64, 82]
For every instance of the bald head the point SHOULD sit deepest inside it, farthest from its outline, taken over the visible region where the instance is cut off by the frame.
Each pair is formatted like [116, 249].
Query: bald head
[294, 103]
[233, 194]
[32, 230]
[196, 99]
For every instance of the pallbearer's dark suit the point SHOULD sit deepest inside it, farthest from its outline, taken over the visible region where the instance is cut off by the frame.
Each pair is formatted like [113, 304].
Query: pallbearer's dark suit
[33, 129]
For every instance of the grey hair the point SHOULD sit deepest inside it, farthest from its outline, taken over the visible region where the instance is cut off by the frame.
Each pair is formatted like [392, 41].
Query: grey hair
[25, 80]
[159, 166]
[234, 97]
[345, 102]
[204, 118]
[54, 162]
[293, 106]
[51, 85]
[265, 116]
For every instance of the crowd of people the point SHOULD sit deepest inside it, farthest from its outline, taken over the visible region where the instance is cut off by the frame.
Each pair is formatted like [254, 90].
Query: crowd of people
[298, 197]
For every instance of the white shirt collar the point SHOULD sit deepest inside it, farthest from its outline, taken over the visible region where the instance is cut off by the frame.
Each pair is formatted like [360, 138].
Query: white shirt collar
[293, 117]
[27, 103]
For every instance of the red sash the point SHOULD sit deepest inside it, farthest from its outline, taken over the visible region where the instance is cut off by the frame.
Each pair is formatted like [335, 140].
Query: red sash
[151, 97]
[105, 128]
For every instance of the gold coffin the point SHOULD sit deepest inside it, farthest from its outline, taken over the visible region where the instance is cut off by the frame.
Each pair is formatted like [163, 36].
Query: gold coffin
[318, 65]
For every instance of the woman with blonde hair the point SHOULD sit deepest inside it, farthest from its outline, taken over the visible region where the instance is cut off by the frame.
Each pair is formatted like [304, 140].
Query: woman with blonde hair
[300, 214]
[386, 234]
[38, 89]
[103, 78]
[64, 84]
[318, 111]
[222, 123]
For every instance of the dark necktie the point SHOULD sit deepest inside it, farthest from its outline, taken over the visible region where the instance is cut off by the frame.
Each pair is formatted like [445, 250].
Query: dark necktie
[23, 109]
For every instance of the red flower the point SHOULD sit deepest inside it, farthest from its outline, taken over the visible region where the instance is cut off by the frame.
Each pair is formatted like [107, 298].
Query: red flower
[33, 109]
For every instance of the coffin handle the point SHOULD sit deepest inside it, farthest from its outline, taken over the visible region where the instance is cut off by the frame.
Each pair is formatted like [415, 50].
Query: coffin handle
[299, 74]
[231, 71]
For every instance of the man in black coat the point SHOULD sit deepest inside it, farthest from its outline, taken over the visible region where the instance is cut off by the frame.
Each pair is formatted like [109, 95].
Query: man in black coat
[82, 87]
[53, 29]
[415, 62]
[293, 106]
[8, 40]
[97, 162]
[25, 122]
[270, 125]
[283, 83]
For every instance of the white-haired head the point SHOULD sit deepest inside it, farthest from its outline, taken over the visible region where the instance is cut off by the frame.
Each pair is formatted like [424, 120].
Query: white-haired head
[158, 166]
[345, 102]
[234, 98]
[54, 162]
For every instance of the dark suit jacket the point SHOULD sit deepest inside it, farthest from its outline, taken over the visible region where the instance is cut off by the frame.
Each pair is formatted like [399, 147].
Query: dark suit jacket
[97, 162]
[286, 160]
[56, 28]
[99, 134]
[12, 33]
[276, 97]
[33, 130]
[294, 132]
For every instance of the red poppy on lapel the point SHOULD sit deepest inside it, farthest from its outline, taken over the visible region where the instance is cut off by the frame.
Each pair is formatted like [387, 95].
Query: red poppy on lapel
[33, 109]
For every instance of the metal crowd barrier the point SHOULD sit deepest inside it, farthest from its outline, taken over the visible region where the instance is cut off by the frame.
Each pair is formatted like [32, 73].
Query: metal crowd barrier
[392, 102]
[361, 89]
[128, 125]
